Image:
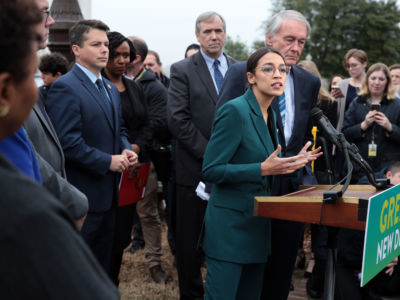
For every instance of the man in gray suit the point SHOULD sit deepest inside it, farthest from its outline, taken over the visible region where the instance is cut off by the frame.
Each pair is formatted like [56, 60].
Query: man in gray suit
[47, 147]
[193, 92]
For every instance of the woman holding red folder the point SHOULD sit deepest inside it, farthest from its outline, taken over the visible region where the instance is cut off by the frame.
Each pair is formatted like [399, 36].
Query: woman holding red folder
[136, 120]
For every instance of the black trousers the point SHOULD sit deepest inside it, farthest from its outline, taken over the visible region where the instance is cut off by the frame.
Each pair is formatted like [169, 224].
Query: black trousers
[122, 238]
[285, 240]
[98, 232]
[190, 211]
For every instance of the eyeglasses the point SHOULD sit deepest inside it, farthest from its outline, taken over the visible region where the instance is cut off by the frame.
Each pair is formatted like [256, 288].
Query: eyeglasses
[47, 13]
[283, 70]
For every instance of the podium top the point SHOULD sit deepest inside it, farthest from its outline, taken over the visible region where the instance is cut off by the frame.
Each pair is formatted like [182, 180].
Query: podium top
[305, 205]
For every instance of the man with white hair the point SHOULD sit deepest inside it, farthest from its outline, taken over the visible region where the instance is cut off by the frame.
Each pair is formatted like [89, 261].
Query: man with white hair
[287, 32]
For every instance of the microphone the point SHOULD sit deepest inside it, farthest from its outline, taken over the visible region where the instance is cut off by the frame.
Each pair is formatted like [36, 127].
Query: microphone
[327, 129]
[333, 135]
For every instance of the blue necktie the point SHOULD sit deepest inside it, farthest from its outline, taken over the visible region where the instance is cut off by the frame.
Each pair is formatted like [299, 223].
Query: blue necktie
[105, 98]
[282, 108]
[219, 79]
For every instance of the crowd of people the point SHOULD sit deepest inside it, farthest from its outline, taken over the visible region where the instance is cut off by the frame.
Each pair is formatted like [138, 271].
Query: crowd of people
[214, 135]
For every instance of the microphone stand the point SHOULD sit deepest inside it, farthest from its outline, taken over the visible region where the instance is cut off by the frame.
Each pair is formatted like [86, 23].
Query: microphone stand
[331, 196]
[351, 152]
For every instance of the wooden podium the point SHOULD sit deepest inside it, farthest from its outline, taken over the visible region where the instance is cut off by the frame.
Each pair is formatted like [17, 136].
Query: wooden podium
[306, 206]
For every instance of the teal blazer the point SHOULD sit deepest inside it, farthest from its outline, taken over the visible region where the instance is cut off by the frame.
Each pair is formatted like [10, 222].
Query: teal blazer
[239, 143]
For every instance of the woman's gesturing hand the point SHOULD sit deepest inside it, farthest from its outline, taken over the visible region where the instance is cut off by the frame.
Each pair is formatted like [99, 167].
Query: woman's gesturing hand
[310, 155]
[275, 165]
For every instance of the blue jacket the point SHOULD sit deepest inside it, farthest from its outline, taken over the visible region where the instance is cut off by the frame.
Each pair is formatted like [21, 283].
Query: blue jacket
[88, 135]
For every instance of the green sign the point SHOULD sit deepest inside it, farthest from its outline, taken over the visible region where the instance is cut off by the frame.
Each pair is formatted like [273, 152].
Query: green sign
[382, 233]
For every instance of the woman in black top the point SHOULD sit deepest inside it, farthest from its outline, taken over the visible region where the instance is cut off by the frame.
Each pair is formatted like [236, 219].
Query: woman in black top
[136, 120]
[372, 123]
[373, 119]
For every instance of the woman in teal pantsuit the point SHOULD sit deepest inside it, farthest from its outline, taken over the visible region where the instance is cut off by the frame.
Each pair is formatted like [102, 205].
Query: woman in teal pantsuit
[241, 161]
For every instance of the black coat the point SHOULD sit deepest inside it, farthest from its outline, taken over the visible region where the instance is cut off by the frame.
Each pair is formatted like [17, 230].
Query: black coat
[388, 144]
[136, 118]
[156, 98]
[41, 248]
[191, 108]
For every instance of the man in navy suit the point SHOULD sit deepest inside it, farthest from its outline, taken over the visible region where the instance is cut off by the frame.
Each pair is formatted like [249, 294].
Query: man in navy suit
[287, 32]
[86, 113]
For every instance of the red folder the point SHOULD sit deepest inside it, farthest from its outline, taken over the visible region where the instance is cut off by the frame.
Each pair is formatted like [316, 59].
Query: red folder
[132, 187]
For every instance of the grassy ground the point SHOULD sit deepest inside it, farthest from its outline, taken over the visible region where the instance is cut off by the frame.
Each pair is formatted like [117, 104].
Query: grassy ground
[135, 280]
[136, 283]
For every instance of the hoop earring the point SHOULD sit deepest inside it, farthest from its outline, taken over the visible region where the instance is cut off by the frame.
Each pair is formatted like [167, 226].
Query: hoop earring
[4, 111]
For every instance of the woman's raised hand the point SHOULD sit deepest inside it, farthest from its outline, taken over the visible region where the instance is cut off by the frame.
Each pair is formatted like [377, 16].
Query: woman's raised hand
[275, 165]
[310, 155]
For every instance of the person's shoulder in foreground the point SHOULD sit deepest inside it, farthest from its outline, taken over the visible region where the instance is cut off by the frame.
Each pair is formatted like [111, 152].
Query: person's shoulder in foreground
[42, 255]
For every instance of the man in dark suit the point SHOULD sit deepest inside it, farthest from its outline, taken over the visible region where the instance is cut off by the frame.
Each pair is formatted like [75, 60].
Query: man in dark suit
[86, 113]
[43, 138]
[287, 32]
[192, 95]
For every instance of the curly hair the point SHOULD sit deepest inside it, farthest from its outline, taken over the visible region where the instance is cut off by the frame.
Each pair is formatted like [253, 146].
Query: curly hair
[115, 39]
[53, 63]
[18, 35]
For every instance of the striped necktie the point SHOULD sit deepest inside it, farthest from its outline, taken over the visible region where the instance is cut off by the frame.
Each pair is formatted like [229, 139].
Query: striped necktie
[282, 107]
[219, 79]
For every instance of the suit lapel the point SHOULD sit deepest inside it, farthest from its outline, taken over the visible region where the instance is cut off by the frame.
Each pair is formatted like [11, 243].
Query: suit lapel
[297, 84]
[258, 121]
[230, 60]
[48, 126]
[94, 92]
[204, 75]
[114, 97]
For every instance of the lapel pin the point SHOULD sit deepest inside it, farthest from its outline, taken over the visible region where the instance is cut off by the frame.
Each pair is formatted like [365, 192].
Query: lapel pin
[109, 86]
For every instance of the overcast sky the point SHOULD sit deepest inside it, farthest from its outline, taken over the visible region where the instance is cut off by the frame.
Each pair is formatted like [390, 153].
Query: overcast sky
[168, 26]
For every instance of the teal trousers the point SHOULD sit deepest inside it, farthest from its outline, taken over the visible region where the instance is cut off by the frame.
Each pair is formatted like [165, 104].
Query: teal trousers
[232, 281]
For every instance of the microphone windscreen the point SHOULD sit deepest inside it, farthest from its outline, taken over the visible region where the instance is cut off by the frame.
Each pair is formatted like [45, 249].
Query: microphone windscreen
[316, 113]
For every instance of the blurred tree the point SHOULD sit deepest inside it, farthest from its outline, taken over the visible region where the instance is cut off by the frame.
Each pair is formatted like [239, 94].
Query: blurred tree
[339, 25]
[257, 45]
[236, 48]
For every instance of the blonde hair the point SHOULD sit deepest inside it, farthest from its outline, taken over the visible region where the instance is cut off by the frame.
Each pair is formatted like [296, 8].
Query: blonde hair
[389, 90]
[310, 66]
